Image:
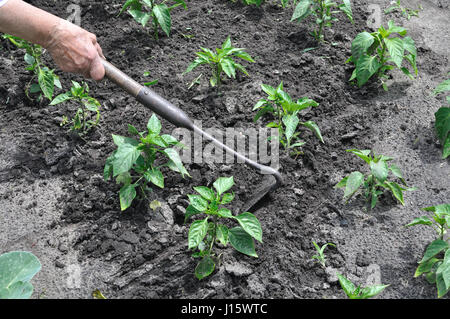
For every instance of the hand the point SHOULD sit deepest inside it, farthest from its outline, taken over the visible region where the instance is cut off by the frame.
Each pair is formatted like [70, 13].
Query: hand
[75, 50]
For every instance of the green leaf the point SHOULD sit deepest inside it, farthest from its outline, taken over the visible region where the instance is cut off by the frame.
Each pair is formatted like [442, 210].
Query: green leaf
[442, 87]
[425, 267]
[194, 64]
[433, 249]
[244, 56]
[442, 126]
[302, 10]
[271, 91]
[290, 122]
[396, 191]
[173, 155]
[443, 279]
[361, 44]
[354, 181]
[342, 183]
[129, 3]
[154, 125]
[222, 234]
[227, 43]
[314, 128]
[380, 170]
[223, 184]
[242, 241]
[369, 292]
[119, 140]
[397, 173]
[61, 98]
[197, 232]
[205, 192]
[396, 29]
[46, 83]
[395, 48]
[198, 202]
[155, 176]
[346, 7]
[225, 212]
[126, 195]
[162, 14]
[363, 154]
[17, 268]
[205, 267]
[366, 66]
[228, 67]
[140, 16]
[190, 211]
[346, 285]
[251, 225]
[423, 220]
[124, 158]
[227, 198]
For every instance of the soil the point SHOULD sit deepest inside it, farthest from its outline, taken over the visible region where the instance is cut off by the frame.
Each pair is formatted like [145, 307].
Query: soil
[56, 204]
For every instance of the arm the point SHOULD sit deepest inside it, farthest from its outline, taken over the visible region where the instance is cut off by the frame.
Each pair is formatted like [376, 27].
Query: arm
[73, 48]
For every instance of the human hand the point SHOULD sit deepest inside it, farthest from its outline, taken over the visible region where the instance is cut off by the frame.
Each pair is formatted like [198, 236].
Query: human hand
[75, 50]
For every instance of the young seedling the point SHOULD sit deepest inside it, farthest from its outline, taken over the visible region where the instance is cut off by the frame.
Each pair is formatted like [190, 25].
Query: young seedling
[320, 257]
[357, 292]
[17, 268]
[47, 79]
[435, 264]
[204, 233]
[376, 181]
[442, 116]
[323, 11]
[88, 114]
[286, 114]
[378, 52]
[143, 11]
[133, 165]
[406, 12]
[221, 62]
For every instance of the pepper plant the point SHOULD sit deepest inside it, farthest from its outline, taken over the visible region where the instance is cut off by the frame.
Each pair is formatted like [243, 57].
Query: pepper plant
[323, 11]
[286, 113]
[88, 114]
[204, 233]
[354, 292]
[221, 61]
[133, 163]
[376, 181]
[442, 116]
[46, 78]
[373, 54]
[320, 257]
[406, 12]
[435, 264]
[143, 11]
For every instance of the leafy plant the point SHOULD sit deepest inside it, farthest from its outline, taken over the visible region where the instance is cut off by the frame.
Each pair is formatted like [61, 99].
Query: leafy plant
[357, 292]
[133, 165]
[406, 12]
[435, 264]
[143, 11]
[17, 268]
[47, 79]
[320, 257]
[286, 114]
[323, 11]
[222, 61]
[88, 114]
[204, 233]
[442, 116]
[378, 52]
[374, 182]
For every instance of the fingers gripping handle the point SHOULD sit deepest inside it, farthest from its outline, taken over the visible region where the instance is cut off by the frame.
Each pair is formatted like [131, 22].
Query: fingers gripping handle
[148, 97]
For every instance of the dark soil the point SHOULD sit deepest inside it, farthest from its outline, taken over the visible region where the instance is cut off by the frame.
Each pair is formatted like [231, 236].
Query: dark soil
[151, 251]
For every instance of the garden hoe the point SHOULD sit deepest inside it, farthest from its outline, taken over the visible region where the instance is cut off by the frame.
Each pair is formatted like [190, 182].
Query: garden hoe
[176, 116]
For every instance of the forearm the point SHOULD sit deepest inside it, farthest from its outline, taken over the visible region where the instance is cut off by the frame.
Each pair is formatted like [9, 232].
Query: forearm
[21, 19]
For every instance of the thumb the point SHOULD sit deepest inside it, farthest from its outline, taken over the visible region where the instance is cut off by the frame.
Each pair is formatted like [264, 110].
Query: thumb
[97, 71]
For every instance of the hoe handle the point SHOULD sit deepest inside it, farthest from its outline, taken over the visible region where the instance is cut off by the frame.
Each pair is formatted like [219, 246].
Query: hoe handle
[173, 114]
[148, 97]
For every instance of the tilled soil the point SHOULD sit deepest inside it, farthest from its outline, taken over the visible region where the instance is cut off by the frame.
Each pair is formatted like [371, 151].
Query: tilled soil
[58, 206]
